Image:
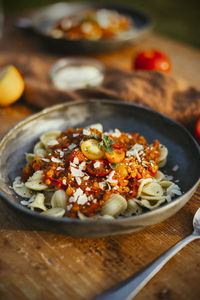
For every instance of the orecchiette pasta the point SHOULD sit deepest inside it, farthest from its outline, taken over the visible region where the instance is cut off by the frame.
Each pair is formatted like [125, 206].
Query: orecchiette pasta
[39, 150]
[86, 173]
[132, 208]
[54, 212]
[20, 188]
[35, 182]
[114, 206]
[59, 199]
[49, 139]
[38, 202]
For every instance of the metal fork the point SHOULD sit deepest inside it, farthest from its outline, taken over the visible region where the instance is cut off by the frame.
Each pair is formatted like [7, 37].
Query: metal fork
[129, 288]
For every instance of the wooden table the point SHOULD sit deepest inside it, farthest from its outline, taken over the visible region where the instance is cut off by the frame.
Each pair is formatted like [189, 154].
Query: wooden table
[40, 265]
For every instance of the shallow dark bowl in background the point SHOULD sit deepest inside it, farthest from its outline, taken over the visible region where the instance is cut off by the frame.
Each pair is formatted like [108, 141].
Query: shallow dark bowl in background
[183, 151]
[43, 19]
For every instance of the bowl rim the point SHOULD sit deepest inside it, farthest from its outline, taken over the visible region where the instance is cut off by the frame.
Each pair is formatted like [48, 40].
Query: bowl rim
[66, 219]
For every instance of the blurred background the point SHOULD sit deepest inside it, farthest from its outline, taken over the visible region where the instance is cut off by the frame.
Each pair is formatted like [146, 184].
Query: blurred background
[177, 19]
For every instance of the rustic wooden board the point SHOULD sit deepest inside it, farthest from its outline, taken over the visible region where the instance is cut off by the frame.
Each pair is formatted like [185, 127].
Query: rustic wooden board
[40, 265]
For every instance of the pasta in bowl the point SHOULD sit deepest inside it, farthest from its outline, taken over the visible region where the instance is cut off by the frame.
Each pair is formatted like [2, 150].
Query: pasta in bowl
[87, 173]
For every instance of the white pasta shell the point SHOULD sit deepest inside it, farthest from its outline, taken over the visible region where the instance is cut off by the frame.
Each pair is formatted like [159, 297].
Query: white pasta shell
[48, 196]
[160, 176]
[162, 163]
[149, 205]
[114, 206]
[82, 216]
[30, 157]
[163, 152]
[96, 126]
[132, 208]
[165, 183]
[152, 198]
[21, 190]
[35, 182]
[142, 184]
[38, 202]
[39, 150]
[52, 135]
[59, 199]
[153, 189]
[54, 212]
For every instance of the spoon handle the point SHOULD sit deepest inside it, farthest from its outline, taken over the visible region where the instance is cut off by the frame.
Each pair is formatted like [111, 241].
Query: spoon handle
[129, 288]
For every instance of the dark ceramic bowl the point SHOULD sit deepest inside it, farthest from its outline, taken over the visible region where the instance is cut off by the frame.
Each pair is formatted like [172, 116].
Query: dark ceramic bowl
[41, 21]
[183, 151]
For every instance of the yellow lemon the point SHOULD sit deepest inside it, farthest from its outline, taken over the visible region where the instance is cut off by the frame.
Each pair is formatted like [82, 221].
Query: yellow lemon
[11, 85]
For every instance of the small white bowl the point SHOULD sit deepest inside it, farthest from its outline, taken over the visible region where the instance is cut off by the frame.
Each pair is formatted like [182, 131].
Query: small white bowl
[77, 73]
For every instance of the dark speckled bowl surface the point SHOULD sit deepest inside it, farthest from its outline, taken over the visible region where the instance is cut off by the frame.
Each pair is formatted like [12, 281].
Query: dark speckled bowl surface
[183, 151]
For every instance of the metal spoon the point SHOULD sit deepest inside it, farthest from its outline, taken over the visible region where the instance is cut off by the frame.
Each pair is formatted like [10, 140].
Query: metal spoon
[129, 288]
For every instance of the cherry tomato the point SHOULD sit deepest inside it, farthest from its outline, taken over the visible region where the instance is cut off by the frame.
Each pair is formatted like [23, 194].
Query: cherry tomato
[100, 171]
[116, 156]
[122, 170]
[76, 153]
[152, 60]
[197, 130]
[92, 150]
[117, 146]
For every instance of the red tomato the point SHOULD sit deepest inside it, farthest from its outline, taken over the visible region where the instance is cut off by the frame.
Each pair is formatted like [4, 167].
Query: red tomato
[197, 130]
[152, 60]
[76, 153]
[102, 170]
[117, 146]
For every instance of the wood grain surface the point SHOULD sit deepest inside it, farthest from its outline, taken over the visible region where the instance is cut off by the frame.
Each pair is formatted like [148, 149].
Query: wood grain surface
[39, 265]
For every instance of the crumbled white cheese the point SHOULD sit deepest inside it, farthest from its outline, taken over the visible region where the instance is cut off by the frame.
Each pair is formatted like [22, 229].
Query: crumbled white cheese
[82, 166]
[82, 199]
[86, 177]
[75, 134]
[116, 133]
[56, 160]
[72, 146]
[46, 159]
[69, 207]
[52, 143]
[115, 187]
[76, 172]
[78, 193]
[59, 168]
[86, 132]
[102, 185]
[134, 151]
[61, 153]
[78, 180]
[24, 202]
[88, 189]
[175, 168]
[64, 181]
[76, 161]
[97, 164]
[168, 177]
[109, 177]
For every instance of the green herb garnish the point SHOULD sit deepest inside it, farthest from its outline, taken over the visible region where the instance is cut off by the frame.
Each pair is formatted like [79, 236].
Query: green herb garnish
[88, 162]
[106, 143]
[113, 166]
[95, 135]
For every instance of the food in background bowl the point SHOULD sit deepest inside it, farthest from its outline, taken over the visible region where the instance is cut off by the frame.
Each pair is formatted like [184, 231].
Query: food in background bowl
[87, 173]
[92, 24]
